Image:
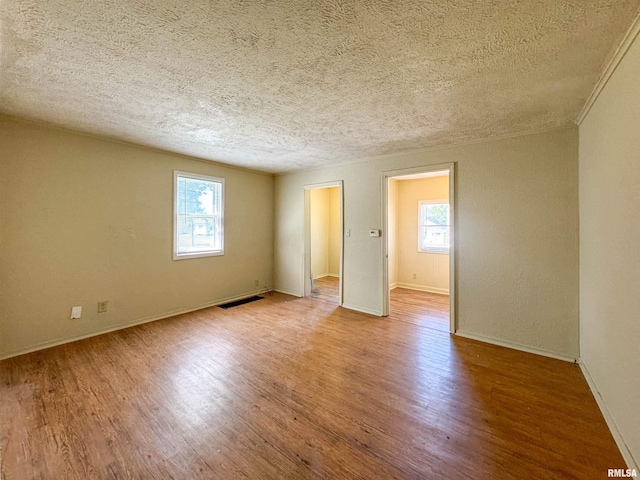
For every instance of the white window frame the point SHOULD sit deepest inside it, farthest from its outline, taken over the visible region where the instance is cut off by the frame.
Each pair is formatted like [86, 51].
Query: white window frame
[439, 250]
[205, 253]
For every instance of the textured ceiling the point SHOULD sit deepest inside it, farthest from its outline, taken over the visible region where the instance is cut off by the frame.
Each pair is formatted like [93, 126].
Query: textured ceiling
[279, 85]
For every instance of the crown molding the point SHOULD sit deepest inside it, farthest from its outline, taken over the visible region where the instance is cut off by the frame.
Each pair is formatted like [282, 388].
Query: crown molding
[622, 49]
[429, 148]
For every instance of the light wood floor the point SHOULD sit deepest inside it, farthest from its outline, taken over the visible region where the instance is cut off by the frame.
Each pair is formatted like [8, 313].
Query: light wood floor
[422, 308]
[296, 388]
[326, 288]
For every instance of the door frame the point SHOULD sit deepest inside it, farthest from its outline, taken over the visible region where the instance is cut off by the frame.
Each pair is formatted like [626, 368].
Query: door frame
[450, 167]
[306, 268]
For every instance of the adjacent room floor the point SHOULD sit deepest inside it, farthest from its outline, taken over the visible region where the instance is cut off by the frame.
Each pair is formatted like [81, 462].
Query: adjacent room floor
[422, 308]
[296, 388]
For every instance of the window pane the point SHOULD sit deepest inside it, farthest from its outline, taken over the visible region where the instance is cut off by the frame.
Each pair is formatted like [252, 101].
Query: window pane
[437, 214]
[437, 236]
[195, 196]
[199, 215]
[196, 234]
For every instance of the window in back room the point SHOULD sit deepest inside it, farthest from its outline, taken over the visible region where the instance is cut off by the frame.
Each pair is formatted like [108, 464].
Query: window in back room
[433, 230]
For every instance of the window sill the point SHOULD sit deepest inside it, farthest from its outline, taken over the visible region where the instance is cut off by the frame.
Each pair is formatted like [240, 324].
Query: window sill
[184, 256]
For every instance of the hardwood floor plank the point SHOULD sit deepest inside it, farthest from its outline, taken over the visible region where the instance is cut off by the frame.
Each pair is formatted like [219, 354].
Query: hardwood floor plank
[298, 388]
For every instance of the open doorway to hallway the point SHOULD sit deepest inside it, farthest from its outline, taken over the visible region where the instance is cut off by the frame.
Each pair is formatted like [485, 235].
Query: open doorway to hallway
[419, 241]
[323, 242]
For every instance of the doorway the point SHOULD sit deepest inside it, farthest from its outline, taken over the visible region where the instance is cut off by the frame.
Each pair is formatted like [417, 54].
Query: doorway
[418, 243]
[323, 241]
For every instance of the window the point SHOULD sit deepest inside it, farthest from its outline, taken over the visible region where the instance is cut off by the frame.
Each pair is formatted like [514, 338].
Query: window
[433, 226]
[198, 219]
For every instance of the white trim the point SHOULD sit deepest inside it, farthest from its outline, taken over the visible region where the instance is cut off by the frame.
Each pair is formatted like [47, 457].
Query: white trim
[421, 288]
[313, 186]
[205, 253]
[453, 312]
[421, 176]
[615, 432]
[516, 346]
[286, 292]
[122, 326]
[428, 149]
[185, 256]
[322, 275]
[393, 285]
[368, 311]
[621, 51]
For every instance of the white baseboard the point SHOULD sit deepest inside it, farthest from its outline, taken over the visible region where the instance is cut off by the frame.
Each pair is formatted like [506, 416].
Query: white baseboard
[322, 275]
[393, 285]
[121, 326]
[362, 309]
[613, 428]
[421, 288]
[286, 292]
[516, 346]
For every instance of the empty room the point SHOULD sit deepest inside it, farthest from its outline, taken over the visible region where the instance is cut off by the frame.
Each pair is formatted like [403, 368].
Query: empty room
[271, 239]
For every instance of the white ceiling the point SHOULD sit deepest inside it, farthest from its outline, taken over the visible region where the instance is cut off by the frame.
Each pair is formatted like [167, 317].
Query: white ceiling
[279, 85]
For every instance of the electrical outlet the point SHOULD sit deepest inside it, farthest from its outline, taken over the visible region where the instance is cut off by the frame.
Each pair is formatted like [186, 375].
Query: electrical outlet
[103, 306]
[256, 283]
[76, 312]
[414, 276]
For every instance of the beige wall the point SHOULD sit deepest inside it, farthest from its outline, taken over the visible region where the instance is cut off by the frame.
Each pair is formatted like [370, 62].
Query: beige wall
[334, 231]
[517, 243]
[324, 215]
[392, 240]
[609, 260]
[431, 269]
[85, 220]
[319, 231]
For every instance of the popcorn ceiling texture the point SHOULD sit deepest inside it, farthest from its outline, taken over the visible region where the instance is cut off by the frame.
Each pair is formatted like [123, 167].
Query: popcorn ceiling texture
[282, 85]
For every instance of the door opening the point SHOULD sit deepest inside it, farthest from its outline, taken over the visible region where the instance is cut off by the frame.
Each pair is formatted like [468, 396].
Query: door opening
[418, 243]
[323, 243]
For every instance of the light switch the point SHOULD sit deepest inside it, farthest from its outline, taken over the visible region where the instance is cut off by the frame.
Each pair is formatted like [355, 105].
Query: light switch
[76, 312]
[374, 233]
